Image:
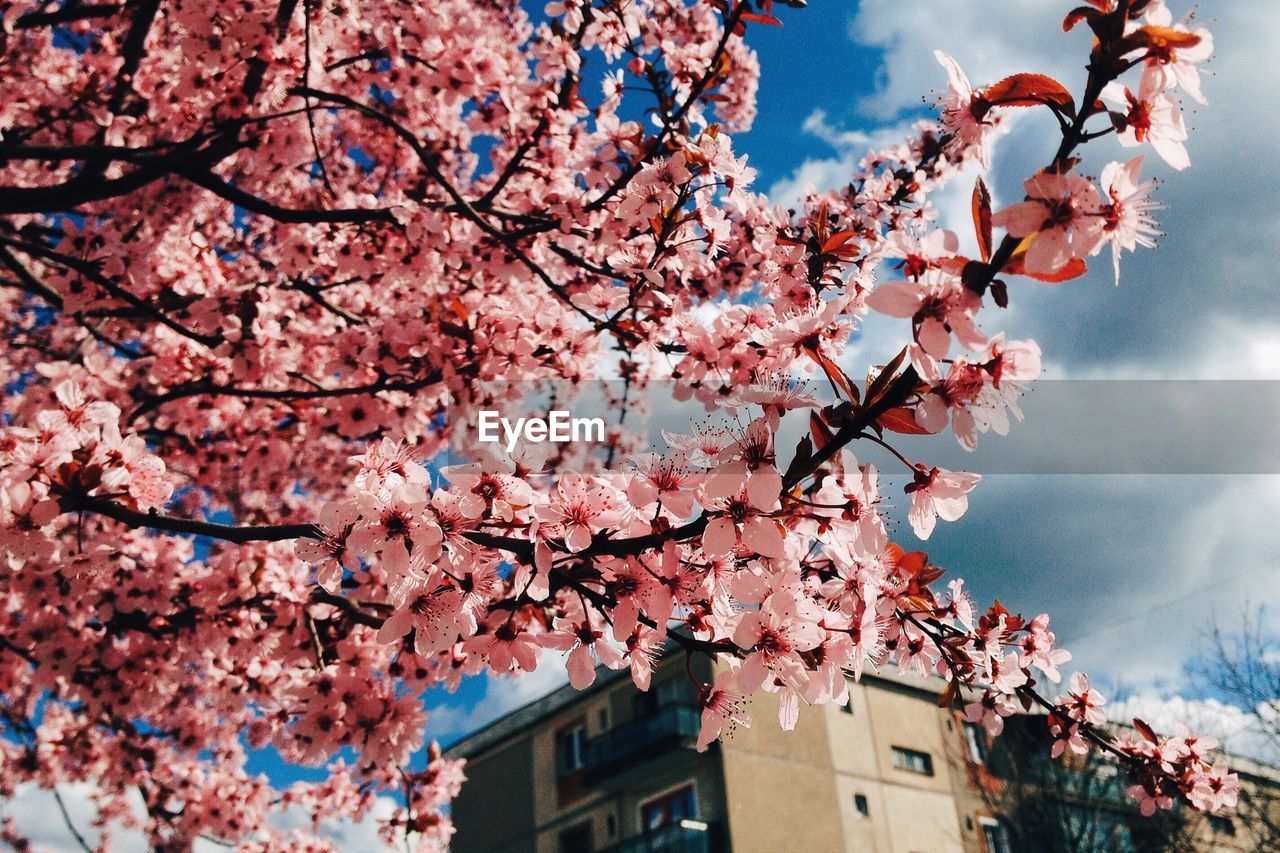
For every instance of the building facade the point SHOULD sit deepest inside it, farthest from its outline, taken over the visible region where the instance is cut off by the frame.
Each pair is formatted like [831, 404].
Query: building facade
[612, 769]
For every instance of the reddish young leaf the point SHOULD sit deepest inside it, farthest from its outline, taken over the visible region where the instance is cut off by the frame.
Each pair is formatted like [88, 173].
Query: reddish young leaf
[1145, 730]
[902, 421]
[877, 386]
[770, 20]
[834, 374]
[1162, 39]
[835, 241]
[1029, 90]
[982, 217]
[949, 694]
[1075, 268]
[1077, 15]
[821, 433]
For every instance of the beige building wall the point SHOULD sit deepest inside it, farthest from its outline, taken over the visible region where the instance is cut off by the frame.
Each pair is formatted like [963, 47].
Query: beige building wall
[797, 790]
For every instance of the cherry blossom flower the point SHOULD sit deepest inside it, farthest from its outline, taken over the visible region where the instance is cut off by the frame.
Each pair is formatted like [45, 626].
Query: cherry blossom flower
[331, 551]
[581, 509]
[721, 705]
[427, 609]
[397, 529]
[669, 480]
[937, 493]
[1061, 215]
[1154, 116]
[963, 111]
[990, 711]
[741, 523]
[584, 644]
[1082, 702]
[938, 305]
[1177, 65]
[1215, 789]
[1127, 218]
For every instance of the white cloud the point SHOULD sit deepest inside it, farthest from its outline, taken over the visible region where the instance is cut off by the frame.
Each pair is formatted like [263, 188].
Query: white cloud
[826, 173]
[1238, 731]
[36, 815]
[989, 43]
[501, 696]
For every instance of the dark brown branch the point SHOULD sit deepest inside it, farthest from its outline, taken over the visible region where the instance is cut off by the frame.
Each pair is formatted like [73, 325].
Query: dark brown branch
[254, 204]
[69, 13]
[282, 394]
[226, 532]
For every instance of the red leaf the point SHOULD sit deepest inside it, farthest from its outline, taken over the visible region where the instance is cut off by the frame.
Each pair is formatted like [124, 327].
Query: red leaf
[901, 420]
[950, 694]
[1029, 90]
[822, 434]
[1077, 15]
[1074, 269]
[880, 384]
[838, 380]
[1162, 38]
[1145, 730]
[835, 241]
[982, 217]
[761, 19]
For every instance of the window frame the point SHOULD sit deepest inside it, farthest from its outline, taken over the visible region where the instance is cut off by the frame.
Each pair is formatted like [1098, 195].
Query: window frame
[861, 807]
[975, 739]
[904, 759]
[665, 794]
[563, 734]
[990, 824]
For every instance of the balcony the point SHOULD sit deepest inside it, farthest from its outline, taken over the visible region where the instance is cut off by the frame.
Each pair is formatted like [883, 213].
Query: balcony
[687, 836]
[671, 727]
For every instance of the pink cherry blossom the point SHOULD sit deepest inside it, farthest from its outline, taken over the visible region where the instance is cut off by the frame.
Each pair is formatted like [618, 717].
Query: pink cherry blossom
[1060, 215]
[581, 509]
[721, 705]
[1127, 218]
[937, 493]
[1082, 702]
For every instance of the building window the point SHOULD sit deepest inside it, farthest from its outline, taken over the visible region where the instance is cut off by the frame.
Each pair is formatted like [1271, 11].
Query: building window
[577, 839]
[610, 825]
[995, 837]
[861, 806]
[602, 719]
[976, 739]
[570, 746]
[912, 761]
[670, 808]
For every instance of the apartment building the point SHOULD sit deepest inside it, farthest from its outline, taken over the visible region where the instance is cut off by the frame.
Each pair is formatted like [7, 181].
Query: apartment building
[612, 769]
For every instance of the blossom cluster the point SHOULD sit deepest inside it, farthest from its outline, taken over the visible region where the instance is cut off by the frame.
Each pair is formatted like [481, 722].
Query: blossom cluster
[310, 242]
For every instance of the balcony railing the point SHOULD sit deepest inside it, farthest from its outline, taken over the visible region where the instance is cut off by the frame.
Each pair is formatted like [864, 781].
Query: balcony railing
[687, 836]
[670, 727]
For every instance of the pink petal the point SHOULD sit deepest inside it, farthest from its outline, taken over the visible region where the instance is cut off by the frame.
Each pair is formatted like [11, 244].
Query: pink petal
[720, 537]
[582, 668]
[762, 536]
[896, 299]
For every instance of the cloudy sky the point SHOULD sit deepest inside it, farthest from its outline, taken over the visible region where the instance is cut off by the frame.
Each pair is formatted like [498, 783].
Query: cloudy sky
[1132, 567]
